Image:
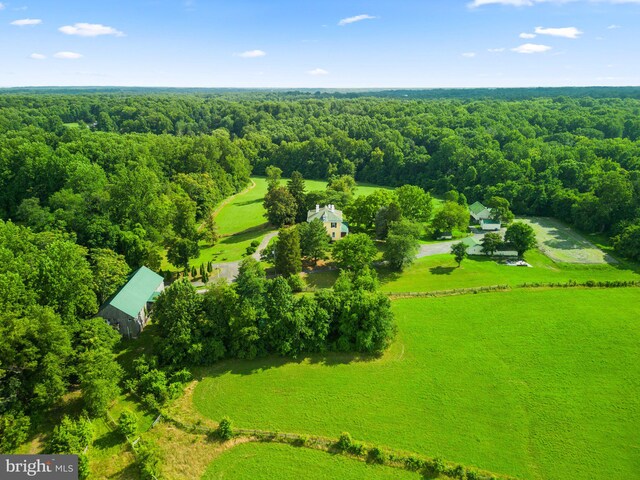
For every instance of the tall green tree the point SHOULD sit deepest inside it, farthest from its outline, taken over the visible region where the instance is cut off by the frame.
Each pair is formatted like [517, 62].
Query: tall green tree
[281, 207]
[354, 252]
[288, 257]
[521, 236]
[415, 203]
[459, 252]
[181, 251]
[491, 242]
[110, 272]
[297, 189]
[314, 240]
[402, 244]
[177, 312]
[451, 217]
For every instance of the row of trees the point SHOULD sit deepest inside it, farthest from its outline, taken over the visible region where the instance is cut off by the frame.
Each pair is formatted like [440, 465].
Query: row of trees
[256, 316]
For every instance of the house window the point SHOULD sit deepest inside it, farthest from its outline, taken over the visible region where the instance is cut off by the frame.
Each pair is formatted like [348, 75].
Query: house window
[334, 224]
[333, 234]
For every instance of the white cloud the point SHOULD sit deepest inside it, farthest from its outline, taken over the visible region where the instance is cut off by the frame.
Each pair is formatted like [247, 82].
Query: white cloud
[495, 50]
[37, 56]
[531, 48]
[68, 55]
[566, 32]
[26, 21]
[90, 30]
[2, 6]
[357, 18]
[527, 35]
[469, 54]
[613, 27]
[318, 72]
[251, 54]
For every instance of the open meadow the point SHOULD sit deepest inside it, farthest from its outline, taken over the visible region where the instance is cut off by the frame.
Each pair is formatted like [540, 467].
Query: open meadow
[549, 392]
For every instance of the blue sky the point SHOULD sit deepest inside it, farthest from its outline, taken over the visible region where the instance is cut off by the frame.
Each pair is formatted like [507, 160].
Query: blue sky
[320, 43]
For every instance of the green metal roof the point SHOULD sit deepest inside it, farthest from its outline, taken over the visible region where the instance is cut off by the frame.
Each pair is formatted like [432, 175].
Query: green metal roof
[344, 228]
[476, 208]
[470, 242]
[133, 296]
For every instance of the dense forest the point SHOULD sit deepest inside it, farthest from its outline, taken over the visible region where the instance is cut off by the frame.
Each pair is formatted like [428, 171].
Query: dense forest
[143, 163]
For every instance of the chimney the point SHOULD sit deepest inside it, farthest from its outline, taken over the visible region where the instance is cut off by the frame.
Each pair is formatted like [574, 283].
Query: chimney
[332, 207]
[317, 208]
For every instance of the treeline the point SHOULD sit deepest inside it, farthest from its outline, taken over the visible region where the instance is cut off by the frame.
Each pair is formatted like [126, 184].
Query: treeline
[576, 158]
[257, 316]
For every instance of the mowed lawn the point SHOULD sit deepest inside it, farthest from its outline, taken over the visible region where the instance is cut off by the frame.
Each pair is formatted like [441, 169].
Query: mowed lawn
[273, 461]
[539, 384]
[441, 272]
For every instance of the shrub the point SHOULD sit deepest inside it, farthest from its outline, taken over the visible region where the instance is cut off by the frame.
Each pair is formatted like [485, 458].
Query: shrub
[128, 423]
[224, 430]
[472, 475]
[377, 456]
[182, 376]
[357, 449]
[344, 442]
[437, 465]
[296, 283]
[414, 463]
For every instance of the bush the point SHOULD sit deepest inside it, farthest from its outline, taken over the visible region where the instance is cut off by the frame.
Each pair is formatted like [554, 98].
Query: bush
[377, 456]
[182, 376]
[296, 283]
[344, 442]
[437, 466]
[128, 423]
[357, 449]
[472, 475]
[414, 464]
[224, 430]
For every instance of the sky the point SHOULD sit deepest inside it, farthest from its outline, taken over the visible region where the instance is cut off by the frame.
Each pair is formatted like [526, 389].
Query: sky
[320, 43]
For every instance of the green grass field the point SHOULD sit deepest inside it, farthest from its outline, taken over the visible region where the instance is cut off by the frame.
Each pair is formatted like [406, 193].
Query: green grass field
[539, 384]
[440, 272]
[272, 461]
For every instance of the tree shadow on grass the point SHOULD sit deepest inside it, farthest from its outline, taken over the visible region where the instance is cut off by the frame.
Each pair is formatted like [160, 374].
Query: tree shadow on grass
[108, 440]
[258, 365]
[440, 270]
[248, 202]
[253, 233]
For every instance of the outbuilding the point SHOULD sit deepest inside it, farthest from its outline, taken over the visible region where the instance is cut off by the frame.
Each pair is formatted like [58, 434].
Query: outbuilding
[128, 308]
